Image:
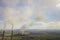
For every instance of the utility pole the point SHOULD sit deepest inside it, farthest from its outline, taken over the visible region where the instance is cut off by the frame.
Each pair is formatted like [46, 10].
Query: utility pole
[12, 32]
[3, 35]
[12, 25]
[4, 28]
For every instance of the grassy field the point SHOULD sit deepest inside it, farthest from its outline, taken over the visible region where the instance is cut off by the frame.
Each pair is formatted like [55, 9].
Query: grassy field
[36, 37]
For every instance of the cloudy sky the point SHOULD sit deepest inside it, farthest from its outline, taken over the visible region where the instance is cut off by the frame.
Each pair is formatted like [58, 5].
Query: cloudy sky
[35, 14]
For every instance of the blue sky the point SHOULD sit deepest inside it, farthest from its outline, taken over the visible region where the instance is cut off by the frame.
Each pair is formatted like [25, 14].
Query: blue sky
[22, 12]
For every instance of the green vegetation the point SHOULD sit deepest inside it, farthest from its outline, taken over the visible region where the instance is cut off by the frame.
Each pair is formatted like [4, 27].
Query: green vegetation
[44, 36]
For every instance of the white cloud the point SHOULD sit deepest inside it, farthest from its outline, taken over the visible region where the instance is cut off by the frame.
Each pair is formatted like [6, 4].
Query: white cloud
[45, 25]
[34, 7]
[10, 2]
[27, 12]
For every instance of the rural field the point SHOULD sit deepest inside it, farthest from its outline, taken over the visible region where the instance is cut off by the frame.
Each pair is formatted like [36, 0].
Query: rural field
[43, 36]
